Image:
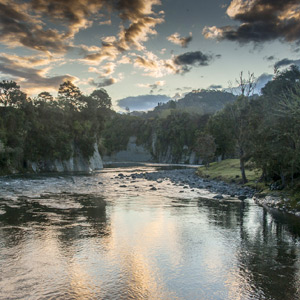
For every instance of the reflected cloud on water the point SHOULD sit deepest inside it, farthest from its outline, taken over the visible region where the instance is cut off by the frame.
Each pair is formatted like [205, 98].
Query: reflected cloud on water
[86, 237]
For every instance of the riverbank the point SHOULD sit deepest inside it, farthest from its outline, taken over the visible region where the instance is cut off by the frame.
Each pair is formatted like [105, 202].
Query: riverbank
[265, 195]
[188, 179]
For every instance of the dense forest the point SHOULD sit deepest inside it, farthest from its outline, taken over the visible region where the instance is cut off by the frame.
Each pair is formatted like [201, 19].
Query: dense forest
[263, 130]
[45, 128]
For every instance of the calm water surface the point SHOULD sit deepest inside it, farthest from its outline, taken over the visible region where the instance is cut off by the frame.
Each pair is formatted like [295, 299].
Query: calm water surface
[86, 237]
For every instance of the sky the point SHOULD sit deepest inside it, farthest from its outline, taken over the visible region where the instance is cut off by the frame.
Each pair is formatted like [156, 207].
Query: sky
[145, 51]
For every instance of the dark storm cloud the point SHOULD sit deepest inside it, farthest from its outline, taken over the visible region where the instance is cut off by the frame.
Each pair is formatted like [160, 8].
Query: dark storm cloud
[286, 62]
[189, 59]
[144, 102]
[261, 21]
[196, 58]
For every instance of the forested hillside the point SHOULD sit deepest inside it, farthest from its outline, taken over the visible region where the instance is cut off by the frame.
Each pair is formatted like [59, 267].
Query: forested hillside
[198, 101]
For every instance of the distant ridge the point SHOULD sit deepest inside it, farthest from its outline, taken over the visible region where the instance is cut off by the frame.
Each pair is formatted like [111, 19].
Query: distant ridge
[199, 101]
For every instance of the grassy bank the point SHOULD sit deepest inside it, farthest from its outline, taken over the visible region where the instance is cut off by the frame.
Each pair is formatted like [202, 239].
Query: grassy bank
[229, 171]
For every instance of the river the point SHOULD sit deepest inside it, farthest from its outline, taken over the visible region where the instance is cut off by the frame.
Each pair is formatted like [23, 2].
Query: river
[105, 236]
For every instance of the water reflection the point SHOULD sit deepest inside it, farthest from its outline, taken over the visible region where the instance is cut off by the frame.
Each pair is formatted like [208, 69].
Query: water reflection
[268, 256]
[101, 241]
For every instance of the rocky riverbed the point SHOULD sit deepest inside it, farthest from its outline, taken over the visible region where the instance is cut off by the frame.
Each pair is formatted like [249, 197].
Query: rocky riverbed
[187, 179]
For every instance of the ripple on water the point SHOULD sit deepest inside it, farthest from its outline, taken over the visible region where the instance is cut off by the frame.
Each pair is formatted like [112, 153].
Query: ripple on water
[69, 237]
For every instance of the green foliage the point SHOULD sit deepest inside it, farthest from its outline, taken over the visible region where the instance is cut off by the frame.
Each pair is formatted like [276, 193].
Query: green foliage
[205, 147]
[120, 127]
[265, 130]
[199, 101]
[48, 128]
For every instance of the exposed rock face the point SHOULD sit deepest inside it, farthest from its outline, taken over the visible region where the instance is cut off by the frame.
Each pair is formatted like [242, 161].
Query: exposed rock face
[133, 153]
[139, 153]
[77, 163]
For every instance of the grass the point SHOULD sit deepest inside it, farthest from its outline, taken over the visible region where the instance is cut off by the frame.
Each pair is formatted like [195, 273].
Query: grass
[229, 171]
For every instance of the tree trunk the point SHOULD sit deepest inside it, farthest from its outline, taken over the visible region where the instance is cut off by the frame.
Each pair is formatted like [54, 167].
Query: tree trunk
[242, 166]
[282, 178]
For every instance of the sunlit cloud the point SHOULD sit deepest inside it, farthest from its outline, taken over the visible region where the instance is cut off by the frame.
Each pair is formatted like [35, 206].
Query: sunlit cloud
[154, 66]
[19, 28]
[104, 82]
[175, 38]
[31, 80]
[105, 70]
[107, 22]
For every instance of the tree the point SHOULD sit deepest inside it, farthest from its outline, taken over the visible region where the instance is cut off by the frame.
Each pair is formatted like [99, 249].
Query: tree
[274, 127]
[11, 95]
[70, 96]
[205, 147]
[220, 127]
[245, 86]
[101, 99]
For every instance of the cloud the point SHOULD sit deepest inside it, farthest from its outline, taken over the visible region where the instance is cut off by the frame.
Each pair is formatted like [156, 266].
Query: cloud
[196, 58]
[31, 80]
[18, 28]
[105, 81]
[189, 59]
[29, 24]
[175, 38]
[269, 58]
[104, 71]
[261, 21]
[107, 22]
[134, 10]
[215, 87]
[180, 64]
[286, 62]
[153, 86]
[73, 14]
[137, 33]
[142, 21]
[261, 81]
[153, 66]
[144, 102]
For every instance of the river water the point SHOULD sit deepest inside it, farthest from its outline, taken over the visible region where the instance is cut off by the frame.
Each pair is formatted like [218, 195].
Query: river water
[103, 236]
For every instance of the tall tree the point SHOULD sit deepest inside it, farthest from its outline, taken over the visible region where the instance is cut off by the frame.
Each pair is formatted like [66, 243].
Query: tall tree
[69, 95]
[11, 95]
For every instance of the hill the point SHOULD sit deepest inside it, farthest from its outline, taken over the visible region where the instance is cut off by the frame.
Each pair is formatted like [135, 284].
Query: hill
[198, 101]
